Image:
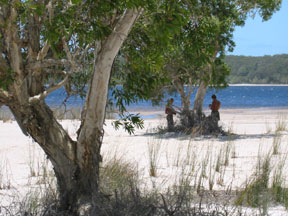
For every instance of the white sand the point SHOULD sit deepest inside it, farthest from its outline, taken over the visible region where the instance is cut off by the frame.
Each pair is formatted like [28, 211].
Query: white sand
[254, 129]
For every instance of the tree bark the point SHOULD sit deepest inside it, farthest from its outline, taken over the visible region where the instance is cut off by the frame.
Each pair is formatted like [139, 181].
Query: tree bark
[185, 97]
[199, 98]
[91, 132]
[38, 121]
[202, 90]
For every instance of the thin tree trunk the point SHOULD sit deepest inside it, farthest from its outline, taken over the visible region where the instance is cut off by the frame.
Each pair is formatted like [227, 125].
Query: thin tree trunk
[199, 98]
[185, 98]
[202, 90]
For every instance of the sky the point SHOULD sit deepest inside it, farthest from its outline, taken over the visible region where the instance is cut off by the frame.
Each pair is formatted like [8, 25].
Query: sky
[258, 38]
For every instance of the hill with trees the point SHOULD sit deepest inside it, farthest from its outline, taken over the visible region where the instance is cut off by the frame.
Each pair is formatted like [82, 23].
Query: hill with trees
[258, 70]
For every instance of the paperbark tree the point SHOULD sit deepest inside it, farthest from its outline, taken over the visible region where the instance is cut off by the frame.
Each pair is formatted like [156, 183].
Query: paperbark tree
[28, 60]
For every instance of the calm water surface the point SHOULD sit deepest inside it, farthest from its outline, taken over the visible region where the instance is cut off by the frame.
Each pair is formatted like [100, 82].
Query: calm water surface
[231, 97]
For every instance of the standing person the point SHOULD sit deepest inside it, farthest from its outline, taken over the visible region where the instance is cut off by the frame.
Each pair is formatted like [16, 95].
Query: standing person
[215, 106]
[169, 110]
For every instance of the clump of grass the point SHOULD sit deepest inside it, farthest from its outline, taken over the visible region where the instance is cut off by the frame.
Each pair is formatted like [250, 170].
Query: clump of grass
[258, 192]
[42, 201]
[203, 172]
[268, 128]
[116, 174]
[227, 152]
[154, 146]
[278, 190]
[233, 151]
[32, 160]
[219, 160]
[5, 183]
[267, 185]
[281, 124]
[276, 143]
[212, 173]
[254, 193]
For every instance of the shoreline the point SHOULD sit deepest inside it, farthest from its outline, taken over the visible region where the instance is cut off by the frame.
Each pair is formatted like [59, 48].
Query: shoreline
[158, 112]
[257, 111]
[250, 84]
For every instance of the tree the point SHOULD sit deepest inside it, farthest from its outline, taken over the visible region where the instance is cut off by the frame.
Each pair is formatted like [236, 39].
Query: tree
[237, 16]
[43, 44]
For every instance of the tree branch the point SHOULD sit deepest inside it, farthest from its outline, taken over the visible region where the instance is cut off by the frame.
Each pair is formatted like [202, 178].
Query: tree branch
[43, 52]
[52, 88]
[51, 71]
[49, 63]
[11, 42]
[50, 11]
[66, 49]
[68, 53]
[4, 96]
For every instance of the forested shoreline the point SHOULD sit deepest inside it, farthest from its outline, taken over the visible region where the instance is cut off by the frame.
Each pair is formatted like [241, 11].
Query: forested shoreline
[258, 70]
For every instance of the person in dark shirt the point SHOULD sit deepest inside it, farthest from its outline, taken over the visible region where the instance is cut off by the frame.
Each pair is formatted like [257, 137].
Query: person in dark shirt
[170, 111]
[215, 106]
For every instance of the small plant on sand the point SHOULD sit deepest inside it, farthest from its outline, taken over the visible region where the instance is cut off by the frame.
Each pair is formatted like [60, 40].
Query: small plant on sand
[32, 159]
[233, 151]
[120, 185]
[278, 190]
[227, 152]
[116, 174]
[203, 172]
[212, 173]
[255, 193]
[281, 124]
[219, 160]
[38, 201]
[154, 146]
[220, 179]
[268, 127]
[5, 183]
[178, 196]
[276, 143]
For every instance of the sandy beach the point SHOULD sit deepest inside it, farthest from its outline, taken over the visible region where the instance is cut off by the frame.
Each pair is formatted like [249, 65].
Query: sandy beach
[255, 133]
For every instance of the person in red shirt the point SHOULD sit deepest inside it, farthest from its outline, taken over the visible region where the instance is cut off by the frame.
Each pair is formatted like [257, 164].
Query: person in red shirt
[215, 106]
[170, 111]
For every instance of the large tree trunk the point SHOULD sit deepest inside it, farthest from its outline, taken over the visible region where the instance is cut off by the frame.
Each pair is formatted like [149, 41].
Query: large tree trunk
[38, 121]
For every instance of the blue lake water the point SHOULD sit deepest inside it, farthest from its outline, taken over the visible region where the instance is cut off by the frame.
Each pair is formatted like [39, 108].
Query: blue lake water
[231, 97]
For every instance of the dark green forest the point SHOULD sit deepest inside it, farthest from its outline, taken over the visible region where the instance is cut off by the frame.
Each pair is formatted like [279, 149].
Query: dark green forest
[258, 70]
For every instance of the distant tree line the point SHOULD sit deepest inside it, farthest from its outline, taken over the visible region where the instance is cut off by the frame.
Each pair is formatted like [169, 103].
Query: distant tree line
[258, 70]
